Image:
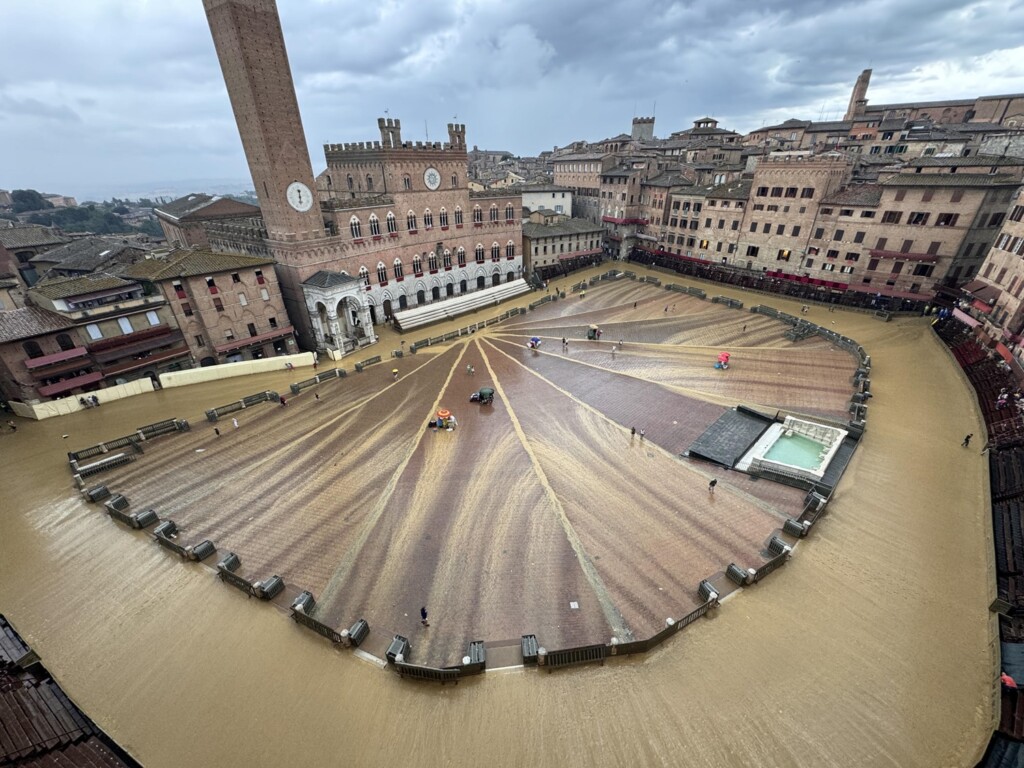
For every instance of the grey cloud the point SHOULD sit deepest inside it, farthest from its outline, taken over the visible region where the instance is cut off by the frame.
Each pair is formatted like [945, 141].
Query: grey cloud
[12, 108]
[523, 76]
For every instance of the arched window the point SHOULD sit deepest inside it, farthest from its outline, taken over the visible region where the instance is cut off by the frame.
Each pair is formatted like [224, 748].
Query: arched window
[32, 349]
[355, 227]
[494, 212]
[432, 261]
[479, 254]
[406, 182]
[461, 255]
[443, 217]
[455, 181]
[369, 183]
[351, 183]
[398, 269]
[374, 225]
[410, 221]
[509, 211]
[510, 249]
[364, 275]
[417, 264]
[478, 215]
[495, 252]
[64, 342]
[428, 219]
[458, 216]
[382, 272]
[447, 259]
[392, 223]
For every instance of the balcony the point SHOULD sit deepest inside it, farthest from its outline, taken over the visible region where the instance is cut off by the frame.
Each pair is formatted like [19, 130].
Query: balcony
[136, 343]
[67, 385]
[58, 357]
[135, 363]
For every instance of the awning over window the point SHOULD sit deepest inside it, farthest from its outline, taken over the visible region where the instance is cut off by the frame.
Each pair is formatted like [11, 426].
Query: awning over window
[56, 357]
[981, 290]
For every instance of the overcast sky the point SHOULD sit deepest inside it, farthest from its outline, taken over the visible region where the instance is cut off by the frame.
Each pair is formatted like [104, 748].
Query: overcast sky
[127, 94]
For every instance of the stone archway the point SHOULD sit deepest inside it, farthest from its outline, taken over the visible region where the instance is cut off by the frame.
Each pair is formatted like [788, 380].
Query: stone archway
[481, 282]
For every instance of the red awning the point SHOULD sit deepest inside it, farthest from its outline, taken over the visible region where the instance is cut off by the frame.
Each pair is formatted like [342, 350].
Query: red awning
[981, 306]
[979, 289]
[57, 357]
[1005, 353]
[68, 384]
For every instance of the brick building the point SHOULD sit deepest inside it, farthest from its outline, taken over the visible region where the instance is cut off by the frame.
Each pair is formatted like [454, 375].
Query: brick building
[41, 356]
[228, 307]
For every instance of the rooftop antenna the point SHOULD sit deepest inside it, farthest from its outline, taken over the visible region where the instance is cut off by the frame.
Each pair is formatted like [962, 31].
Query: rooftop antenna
[426, 130]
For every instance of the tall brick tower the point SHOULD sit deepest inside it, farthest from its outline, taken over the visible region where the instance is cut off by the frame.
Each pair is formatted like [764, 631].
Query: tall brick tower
[859, 97]
[250, 45]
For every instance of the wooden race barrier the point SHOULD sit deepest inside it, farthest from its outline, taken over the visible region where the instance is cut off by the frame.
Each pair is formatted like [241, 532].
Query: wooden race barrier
[774, 564]
[438, 675]
[214, 414]
[571, 657]
[236, 581]
[320, 628]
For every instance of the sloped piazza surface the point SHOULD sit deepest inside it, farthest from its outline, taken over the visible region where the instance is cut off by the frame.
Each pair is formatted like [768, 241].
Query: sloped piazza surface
[540, 513]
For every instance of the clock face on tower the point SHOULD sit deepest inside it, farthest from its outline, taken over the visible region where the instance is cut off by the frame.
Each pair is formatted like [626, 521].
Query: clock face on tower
[432, 178]
[299, 196]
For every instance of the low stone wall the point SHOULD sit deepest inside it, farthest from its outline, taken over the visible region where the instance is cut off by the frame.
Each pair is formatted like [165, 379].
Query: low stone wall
[230, 370]
[68, 405]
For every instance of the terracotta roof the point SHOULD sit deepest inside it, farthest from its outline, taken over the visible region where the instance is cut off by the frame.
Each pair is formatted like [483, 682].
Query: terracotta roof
[856, 194]
[183, 205]
[63, 287]
[30, 236]
[950, 180]
[26, 322]
[189, 263]
[970, 160]
[732, 190]
[200, 206]
[87, 254]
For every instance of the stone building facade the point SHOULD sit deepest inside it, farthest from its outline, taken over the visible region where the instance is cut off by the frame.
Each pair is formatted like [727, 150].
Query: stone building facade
[581, 172]
[560, 245]
[997, 292]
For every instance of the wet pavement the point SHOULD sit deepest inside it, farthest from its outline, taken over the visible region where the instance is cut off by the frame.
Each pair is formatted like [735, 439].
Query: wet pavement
[872, 647]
